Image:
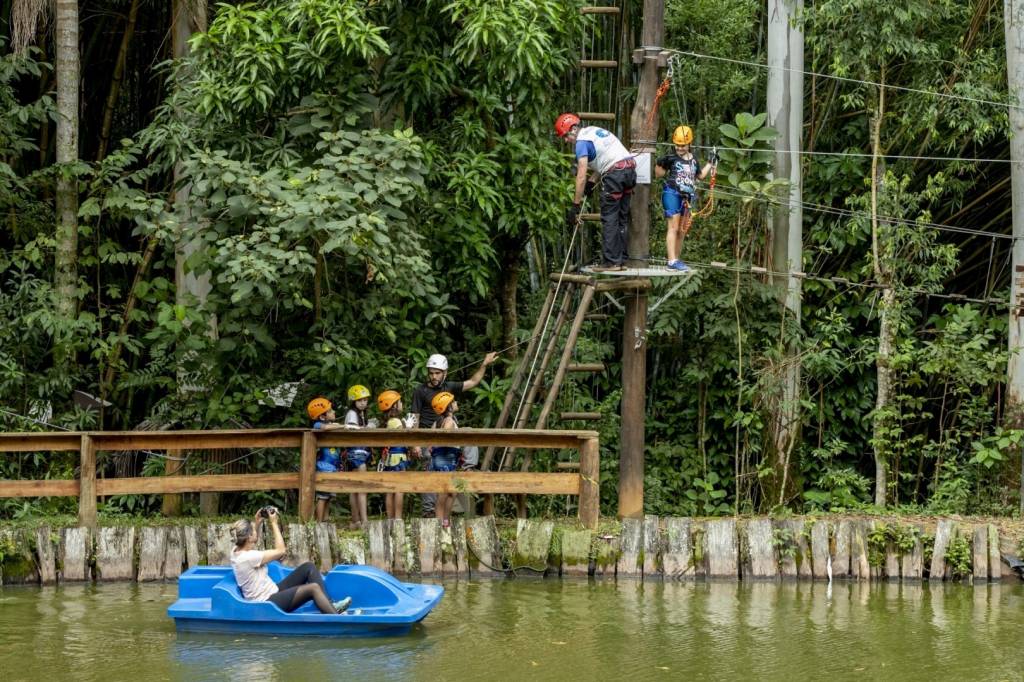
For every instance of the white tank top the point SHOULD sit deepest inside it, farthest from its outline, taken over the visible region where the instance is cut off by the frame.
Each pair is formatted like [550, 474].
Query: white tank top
[609, 150]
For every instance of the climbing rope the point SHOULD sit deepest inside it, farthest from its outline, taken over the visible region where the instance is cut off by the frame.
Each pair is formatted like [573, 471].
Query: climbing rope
[709, 205]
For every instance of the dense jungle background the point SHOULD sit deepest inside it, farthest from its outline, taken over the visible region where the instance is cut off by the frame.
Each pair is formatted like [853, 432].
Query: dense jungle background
[351, 186]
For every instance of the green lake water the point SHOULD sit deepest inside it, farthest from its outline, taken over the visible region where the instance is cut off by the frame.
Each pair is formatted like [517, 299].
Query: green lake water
[547, 630]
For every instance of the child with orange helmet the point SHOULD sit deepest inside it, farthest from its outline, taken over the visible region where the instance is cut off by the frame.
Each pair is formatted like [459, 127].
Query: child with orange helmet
[394, 457]
[445, 457]
[328, 460]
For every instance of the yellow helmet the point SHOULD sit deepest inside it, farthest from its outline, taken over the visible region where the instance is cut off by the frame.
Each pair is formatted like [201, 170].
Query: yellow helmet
[387, 400]
[317, 406]
[441, 401]
[682, 135]
[358, 392]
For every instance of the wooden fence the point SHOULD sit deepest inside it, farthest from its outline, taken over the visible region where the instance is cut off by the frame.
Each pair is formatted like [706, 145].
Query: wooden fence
[308, 480]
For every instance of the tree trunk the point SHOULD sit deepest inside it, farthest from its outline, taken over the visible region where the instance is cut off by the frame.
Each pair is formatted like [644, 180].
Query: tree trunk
[886, 328]
[785, 114]
[66, 253]
[510, 251]
[116, 79]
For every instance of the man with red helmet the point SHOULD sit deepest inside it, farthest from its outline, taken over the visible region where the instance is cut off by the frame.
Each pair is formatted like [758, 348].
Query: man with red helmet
[600, 152]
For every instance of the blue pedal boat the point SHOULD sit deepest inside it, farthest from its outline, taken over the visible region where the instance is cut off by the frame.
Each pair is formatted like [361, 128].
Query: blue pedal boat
[209, 601]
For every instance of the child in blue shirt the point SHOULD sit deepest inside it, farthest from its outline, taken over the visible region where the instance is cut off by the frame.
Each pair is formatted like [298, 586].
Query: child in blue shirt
[328, 460]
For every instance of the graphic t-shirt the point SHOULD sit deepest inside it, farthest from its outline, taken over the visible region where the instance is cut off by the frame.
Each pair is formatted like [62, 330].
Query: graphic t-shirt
[251, 575]
[422, 396]
[682, 173]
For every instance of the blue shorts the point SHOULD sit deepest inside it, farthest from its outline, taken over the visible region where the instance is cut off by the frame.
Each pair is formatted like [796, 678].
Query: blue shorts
[356, 458]
[444, 463]
[673, 202]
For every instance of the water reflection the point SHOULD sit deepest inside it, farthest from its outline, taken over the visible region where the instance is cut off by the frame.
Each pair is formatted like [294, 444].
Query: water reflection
[537, 629]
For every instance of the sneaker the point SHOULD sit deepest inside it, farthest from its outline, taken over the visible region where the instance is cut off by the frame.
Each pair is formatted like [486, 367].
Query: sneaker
[678, 266]
[342, 606]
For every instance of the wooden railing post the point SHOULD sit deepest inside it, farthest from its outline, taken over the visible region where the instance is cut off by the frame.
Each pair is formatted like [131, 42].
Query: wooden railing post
[590, 483]
[87, 483]
[307, 477]
[171, 505]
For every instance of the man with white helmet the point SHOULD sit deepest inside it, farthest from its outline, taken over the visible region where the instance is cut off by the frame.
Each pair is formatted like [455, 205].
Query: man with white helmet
[437, 382]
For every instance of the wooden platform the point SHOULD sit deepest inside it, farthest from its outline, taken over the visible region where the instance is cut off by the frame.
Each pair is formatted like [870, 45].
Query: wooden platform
[647, 271]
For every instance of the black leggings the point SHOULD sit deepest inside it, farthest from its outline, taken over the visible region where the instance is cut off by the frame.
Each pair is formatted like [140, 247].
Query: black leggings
[300, 586]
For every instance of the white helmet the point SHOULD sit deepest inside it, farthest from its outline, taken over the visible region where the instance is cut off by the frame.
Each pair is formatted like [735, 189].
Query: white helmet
[437, 361]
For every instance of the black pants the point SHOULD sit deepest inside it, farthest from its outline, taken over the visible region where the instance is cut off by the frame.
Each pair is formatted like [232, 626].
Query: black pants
[285, 597]
[616, 193]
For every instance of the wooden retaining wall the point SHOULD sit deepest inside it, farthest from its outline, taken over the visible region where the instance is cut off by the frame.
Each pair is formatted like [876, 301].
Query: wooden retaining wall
[651, 548]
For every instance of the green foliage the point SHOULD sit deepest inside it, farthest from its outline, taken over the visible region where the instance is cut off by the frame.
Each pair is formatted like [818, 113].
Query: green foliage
[959, 557]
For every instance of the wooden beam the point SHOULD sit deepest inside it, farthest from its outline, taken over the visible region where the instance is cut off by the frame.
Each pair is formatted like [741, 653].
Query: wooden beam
[87, 482]
[494, 482]
[598, 64]
[105, 441]
[597, 115]
[40, 442]
[599, 10]
[567, 466]
[587, 366]
[48, 488]
[592, 217]
[590, 483]
[579, 416]
[215, 483]
[307, 477]
[597, 317]
[619, 283]
[569, 277]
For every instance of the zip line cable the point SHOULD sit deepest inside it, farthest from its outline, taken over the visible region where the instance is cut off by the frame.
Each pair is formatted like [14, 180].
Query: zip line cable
[850, 213]
[898, 157]
[845, 79]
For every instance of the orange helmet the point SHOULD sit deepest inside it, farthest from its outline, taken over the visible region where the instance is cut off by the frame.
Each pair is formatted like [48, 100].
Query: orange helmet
[317, 406]
[441, 401]
[565, 122]
[387, 400]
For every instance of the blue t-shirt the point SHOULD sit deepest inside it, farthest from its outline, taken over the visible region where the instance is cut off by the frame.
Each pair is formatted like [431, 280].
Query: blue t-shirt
[327, 459]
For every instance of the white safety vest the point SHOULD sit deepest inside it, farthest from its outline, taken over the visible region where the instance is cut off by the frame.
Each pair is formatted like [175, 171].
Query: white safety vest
[609, 150]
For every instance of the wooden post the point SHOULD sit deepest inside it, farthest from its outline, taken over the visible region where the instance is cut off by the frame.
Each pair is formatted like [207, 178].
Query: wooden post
[172, 467]
[590, 483]
[87, 483]
[634, 347]
[307, 476]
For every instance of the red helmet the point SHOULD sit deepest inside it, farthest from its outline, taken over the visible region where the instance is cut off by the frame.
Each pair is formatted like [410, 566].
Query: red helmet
[565, 122]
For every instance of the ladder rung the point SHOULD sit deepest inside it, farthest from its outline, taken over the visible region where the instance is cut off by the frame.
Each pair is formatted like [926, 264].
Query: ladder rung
[597, 115]
[593, 217]
[567, 465]
[579, 416]
[598, 64]
[599, 10]
[597, 316]
[587, 367]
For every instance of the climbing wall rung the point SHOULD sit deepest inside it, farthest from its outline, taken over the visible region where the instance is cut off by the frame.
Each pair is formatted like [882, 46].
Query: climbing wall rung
[598, 64]
[599, 10]
[587, 366]
[579, 416]
[597, 116]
